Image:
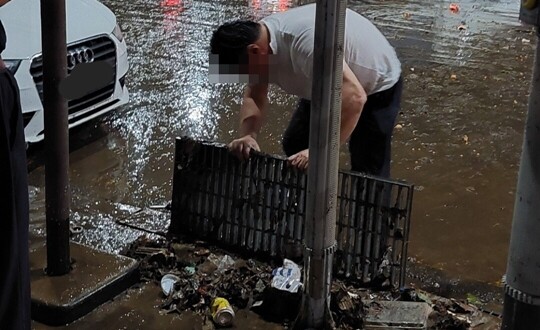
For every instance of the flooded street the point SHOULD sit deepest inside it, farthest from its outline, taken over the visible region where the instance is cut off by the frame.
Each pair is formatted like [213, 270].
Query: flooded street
[466, 87]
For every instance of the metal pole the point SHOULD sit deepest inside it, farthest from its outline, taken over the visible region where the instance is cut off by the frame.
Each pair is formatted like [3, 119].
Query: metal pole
[522, 288]
[57, 195]
[320, 226]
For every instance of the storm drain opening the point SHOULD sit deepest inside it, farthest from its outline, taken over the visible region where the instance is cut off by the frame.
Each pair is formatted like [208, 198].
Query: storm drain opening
[257, 207]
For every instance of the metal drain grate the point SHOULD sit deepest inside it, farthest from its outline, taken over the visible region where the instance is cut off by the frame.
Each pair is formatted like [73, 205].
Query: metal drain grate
[258, 207]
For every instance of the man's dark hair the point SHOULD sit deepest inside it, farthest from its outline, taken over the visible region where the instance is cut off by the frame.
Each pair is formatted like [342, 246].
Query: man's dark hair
[231, 39]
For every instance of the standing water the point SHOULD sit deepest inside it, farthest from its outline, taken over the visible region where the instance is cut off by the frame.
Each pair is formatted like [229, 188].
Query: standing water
[458, 137]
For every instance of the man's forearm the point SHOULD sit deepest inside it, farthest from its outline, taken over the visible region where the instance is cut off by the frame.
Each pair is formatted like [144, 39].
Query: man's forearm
[351, 109]
[250, 126]
[353, 99]
[252, 115]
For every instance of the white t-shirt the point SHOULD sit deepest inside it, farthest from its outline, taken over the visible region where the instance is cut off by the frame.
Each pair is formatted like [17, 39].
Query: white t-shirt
[367, 52]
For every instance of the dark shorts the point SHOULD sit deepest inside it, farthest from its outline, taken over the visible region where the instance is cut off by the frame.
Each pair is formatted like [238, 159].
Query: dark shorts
[370, 142]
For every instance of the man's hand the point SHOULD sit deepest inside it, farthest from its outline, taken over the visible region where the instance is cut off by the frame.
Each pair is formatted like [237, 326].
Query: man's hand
[300, 160]
[241, 147]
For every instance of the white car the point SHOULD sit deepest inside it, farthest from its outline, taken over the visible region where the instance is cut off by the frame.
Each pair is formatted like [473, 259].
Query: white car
[92, 35]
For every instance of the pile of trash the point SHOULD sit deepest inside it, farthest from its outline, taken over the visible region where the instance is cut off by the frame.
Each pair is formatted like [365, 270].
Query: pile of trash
[450, 313]
[210, 282]
[192, 276]
[199, 273]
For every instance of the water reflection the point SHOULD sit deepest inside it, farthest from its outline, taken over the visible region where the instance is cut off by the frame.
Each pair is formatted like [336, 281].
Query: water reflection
[171, 10]
[262, 8]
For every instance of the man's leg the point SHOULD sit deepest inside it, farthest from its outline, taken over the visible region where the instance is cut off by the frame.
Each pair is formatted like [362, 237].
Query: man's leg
[296, 136]
[370, 142]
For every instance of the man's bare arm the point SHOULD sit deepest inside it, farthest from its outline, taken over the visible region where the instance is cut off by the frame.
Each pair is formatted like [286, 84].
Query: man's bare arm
[252, 116]
[353, 99]
[253, 110]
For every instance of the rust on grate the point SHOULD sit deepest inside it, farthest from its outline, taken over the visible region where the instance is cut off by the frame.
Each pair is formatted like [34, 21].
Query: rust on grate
[258, 207]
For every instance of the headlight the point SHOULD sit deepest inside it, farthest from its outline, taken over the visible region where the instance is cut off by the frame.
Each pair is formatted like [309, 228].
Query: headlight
[12, 65]
[117, 32]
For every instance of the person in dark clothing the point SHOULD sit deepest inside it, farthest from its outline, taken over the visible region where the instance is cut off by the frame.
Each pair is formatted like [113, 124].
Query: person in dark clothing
[14, 205]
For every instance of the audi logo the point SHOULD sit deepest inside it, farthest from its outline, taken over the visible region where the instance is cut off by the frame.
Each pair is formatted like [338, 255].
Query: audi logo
[79, 55]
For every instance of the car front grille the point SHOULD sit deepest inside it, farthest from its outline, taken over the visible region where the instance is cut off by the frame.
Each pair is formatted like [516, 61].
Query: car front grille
[103, 49]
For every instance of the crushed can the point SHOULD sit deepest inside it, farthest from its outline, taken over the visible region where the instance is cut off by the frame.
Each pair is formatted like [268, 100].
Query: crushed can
[222, 312]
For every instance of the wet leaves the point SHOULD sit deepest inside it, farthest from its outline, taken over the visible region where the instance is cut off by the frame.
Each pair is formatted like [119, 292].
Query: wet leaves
[347, 308]
[423, 297]
[207, 268]
[246, 285]
[459, 307]
[442, 318]
[204, 275]
[447, 313]
[202, 252]
[472, 299]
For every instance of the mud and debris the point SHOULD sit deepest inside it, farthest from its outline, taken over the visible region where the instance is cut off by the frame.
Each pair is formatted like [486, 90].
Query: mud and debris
[451, 313]
[347, 307]
[205, 272]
